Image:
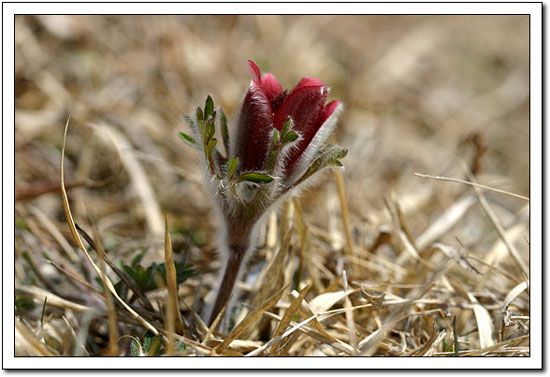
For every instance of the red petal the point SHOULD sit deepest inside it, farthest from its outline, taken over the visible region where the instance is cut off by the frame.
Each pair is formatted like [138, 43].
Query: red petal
[329, 109]
[308, 81]
[254, 71]
[254, 129]
[271, 86]
[305, 105]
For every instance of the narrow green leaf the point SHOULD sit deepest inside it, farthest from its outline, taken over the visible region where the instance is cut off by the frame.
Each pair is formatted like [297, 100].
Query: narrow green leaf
[209, 152]
[43, 311]
[180, 346]
[276, 138]
[225, 131]
[187, 139]
[290, 137]
[287, 126]
[134, 348]
[273, 151]
[455, 337]
[335, 163]
[200, 114]
[151, 344]
[328, 157]
[209, 130]
[189, 121]
[208, 107]
[255, 177]
[232, 167]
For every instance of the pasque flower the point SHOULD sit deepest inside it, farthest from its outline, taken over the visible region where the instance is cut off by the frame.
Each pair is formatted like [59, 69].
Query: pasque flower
[278, 142]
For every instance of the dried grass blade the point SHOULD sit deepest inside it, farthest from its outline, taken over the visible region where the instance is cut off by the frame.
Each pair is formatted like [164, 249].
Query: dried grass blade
[445, 221]
[172, 281]
[80, 244]
[349, 316]
[273, 277]
[514, 293]
[498, 226]
[325, 301]
[141, 183]
[290, 311]
[278, 338]
[419, 351]
[451, 252]
[53, 300]
[473, 184]
[369, 345]
[339, 177]
[111, 310]
[37, 347]
[484, 323]
[250, 319]
[217, 320]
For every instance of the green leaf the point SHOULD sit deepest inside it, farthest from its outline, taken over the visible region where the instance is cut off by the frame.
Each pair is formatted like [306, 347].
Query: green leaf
[189, 121]
[290, 137]
[187, 139]
[200, 114]
[225, 131]
[180, 346]
[255, 177]
[328, 157]
[137, 259]
[275, 139]
[209, 152]
[232, 167]
[208, 107]
[209, 130]
[287, 126]
[151, 344]
[335, 163]
[134, 348]
[23, 304]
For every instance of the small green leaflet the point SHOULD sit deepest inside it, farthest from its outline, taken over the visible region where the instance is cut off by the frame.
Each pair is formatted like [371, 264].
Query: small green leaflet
[287, 125]
[188, 139]
[232, 167]
[225, 131]
[209, 130]
[208, 107]
[255, 177]
[200, 114]
[290, 137]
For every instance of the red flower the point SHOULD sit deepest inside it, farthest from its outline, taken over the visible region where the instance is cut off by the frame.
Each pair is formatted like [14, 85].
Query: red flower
[267, 107]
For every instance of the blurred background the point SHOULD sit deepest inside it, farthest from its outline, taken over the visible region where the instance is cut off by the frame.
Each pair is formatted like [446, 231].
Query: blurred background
[421, 94]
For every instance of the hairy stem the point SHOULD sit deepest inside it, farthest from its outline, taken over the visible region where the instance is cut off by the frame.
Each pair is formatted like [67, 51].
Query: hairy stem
[236, 240]
[230, 275]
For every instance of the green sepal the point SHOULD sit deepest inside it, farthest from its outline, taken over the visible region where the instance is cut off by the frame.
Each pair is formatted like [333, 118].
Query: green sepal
[232, 167]
[255, 177]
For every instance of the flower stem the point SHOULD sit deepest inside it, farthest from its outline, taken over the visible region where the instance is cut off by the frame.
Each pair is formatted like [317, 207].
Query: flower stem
[236, 240]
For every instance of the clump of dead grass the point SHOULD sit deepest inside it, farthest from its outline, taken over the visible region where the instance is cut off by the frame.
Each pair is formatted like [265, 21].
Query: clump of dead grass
[377, 261]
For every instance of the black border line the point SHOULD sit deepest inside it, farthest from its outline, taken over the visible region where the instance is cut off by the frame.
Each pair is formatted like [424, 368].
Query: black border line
[320, 14]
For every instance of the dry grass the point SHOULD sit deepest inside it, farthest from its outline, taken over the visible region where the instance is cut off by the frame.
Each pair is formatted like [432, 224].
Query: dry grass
[378, 261]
